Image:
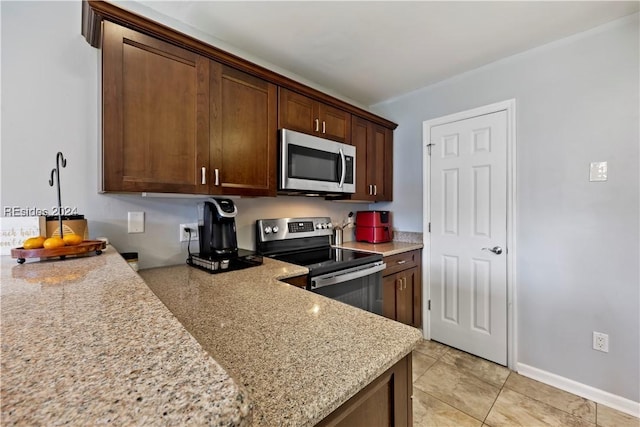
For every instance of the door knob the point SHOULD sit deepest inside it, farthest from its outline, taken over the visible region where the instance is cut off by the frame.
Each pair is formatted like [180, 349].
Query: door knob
[496, 250]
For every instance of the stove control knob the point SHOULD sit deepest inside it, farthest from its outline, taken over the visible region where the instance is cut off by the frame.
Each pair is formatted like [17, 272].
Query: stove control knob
[267, 230]
[329, 226]
[275, 229]
[318, 226]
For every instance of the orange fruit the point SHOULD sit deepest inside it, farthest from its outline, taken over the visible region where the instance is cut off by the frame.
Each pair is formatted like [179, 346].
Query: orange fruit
[53, 242]
[72, 239]
[33, 242]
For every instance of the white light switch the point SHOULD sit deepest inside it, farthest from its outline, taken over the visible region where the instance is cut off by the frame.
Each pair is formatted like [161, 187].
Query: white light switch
[136, 222]
[598, 171]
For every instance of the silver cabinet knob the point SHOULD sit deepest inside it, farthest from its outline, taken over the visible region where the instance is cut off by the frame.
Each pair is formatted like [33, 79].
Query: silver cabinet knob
[496, 250]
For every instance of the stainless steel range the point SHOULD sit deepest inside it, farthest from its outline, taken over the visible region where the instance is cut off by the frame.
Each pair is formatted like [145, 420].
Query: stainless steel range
[352, 277]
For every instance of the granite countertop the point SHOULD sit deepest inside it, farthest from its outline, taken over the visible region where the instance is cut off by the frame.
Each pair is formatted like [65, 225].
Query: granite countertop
[85, 342]
[298, 354]
[386, 249]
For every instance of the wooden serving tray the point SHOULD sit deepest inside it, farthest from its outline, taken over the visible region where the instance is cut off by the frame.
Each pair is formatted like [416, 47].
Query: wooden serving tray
[62, 252]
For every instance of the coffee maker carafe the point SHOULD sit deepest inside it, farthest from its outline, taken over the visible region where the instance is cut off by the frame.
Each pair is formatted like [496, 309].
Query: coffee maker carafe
[217, 228]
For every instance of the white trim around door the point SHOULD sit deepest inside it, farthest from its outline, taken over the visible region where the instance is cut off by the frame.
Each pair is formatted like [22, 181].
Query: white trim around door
[510, 107]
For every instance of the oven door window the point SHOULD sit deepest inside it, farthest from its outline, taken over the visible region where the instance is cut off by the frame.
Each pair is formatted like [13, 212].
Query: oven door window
[311, 164]
[364, 292]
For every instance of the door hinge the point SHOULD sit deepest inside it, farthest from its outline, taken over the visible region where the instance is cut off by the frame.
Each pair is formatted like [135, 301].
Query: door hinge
[429, 147]
[429, 305]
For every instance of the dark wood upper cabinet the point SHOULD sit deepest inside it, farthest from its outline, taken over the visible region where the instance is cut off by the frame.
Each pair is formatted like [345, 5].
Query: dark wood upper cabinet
[374, 160]
[177, 122]
[303, 114]
[155, 114]
[243, 120]
[181, 116]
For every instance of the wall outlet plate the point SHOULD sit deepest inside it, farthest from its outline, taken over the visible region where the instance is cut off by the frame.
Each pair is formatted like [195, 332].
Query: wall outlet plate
[184, 235]
[135, 222]
[600, 342]
[598, 171]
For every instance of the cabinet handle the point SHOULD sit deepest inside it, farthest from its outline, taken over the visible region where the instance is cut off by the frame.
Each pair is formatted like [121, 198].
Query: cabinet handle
[375, 190]
[216, 173]
[203, 175]
[399, 284]
[324, 127]
[403, 261]
[370, 189]
[317, 124]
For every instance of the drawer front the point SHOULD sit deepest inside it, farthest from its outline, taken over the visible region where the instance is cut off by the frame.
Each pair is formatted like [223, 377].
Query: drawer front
[400, 262]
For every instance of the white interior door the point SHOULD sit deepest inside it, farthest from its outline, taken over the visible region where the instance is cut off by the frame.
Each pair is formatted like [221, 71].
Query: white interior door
[468, 268]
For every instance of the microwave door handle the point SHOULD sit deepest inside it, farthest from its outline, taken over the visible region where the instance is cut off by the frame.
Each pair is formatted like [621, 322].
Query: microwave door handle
[344, 169]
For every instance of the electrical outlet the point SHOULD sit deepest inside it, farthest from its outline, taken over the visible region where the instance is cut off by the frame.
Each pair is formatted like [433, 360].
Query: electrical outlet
[600, 342]
[184, 235]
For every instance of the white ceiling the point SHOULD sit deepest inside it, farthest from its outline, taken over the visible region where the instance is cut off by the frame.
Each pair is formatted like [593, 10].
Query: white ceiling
[374, 51]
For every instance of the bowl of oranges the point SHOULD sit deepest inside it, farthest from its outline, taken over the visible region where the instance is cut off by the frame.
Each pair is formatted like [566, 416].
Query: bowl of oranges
[56, 246]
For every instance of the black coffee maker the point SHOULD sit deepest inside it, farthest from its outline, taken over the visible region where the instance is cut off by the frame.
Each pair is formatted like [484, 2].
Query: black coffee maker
[217, 228]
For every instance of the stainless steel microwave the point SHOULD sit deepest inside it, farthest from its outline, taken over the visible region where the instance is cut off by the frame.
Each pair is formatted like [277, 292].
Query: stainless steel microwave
[309, 164]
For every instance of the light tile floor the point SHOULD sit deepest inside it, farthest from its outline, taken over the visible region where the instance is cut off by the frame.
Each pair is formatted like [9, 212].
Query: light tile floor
[454, 388]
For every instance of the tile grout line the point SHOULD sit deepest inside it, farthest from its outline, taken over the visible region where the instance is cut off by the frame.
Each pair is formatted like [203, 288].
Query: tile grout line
[450, 405]
[577, 417]
[496, 399]
[439, 359]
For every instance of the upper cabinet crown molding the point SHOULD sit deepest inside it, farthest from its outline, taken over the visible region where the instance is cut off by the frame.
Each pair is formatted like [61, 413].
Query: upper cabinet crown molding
[94, 12]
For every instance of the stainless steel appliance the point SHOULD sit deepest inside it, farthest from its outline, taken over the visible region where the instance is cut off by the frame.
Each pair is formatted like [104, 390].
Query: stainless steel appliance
[352, 277]
[309, 164]
[218, 242]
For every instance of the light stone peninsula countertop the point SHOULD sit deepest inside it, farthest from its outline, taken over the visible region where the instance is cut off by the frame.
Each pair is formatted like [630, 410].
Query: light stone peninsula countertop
[298, 354]
[86, 342]
[386, 249]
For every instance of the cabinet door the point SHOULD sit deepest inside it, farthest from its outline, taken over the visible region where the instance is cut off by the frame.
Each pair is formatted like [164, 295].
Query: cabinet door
[404, 296]
[155, 114]
[335, 124]
[374, 160]
[297, 112]
[402, 290]
[389, 290]
[360, 135]
[381, 163]
[243, 133]
[303, 114]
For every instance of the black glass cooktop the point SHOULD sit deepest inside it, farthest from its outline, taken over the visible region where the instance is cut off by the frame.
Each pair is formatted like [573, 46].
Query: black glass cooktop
[327, 259]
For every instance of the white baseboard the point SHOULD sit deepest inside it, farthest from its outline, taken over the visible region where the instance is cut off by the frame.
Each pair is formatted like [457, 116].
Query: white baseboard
[599, 396]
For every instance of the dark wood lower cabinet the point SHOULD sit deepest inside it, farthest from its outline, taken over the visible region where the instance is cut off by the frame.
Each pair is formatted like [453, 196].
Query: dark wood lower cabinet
[385, 402]
[402, 288]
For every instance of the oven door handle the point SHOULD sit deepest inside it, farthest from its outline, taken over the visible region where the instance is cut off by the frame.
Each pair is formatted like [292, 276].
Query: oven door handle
[336, 277]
